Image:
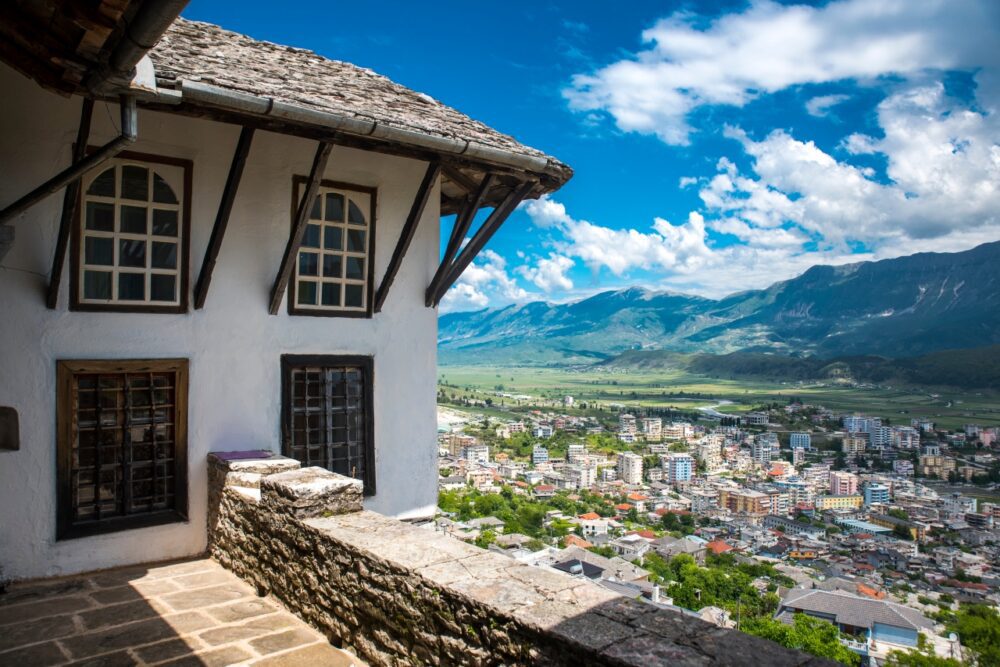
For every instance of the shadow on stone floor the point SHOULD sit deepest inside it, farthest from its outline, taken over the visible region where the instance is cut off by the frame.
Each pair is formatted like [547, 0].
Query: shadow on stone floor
[189, 612]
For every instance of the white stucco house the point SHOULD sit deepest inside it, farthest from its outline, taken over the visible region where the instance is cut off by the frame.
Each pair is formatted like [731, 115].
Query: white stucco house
[217, 244]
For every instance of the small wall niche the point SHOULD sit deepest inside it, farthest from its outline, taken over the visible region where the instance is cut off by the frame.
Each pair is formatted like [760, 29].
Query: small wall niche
[10, 432]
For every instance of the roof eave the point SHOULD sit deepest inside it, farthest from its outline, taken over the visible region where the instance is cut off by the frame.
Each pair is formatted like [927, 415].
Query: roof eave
[197, 98]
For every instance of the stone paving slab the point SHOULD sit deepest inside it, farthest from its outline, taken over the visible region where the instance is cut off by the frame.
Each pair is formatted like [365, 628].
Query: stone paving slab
[190, 612]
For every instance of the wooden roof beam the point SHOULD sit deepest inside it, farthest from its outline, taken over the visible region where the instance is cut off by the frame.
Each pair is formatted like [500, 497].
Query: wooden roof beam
[222, 216]
[458, 232]
[409, 229]
[455, 175]
[70, 199]
[483, 236]
[299, 229]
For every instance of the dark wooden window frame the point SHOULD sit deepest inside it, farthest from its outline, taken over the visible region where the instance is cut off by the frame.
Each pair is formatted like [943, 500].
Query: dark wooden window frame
[65, 421]
[185, 250]
[299, 182]
[367, 364]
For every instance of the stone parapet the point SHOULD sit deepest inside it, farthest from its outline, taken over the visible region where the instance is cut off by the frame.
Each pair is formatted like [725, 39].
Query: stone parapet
[310, 492]
[398, 594]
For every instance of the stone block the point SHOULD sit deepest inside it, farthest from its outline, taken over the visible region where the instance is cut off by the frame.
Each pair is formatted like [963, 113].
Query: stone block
[310, 492]
[245, 469]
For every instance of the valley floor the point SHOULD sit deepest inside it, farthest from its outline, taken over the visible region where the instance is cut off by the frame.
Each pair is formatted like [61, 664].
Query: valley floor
[512, 386]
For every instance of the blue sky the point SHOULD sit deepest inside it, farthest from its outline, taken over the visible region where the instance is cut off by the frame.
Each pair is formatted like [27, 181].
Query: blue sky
[718, 146]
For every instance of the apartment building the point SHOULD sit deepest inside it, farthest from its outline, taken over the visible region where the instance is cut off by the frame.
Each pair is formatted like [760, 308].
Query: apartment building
[679, 467]
[652, 428]
[843, 483]
[630, 468]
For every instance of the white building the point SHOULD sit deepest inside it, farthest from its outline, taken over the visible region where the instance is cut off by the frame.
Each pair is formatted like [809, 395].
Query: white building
[903, 467]
[576, 453]
[568, 401]
[652, 428]
[905, 437]
[763, 450]
[539, 455]
[755, 419]
[677, 431]
[542, 431]
[703, 500]
[626, 423]
[880, 437]
[630, 468]
[476, 453]
[315, 306]
[583, 476]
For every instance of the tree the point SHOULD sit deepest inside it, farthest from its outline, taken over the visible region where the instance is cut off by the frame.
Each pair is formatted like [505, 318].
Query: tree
[806, 633]
[978, 627]
[902, 532]
[486, 538]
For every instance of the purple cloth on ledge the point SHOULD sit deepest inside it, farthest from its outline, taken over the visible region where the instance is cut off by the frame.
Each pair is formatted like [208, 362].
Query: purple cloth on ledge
[239, 456]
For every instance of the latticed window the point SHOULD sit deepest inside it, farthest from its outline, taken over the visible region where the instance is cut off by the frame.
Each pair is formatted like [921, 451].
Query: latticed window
[122, 444]
[333, 271]
[327, 414]
[130, 247]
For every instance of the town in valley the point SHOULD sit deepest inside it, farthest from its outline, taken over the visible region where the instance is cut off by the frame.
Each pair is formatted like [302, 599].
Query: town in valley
[881, 524]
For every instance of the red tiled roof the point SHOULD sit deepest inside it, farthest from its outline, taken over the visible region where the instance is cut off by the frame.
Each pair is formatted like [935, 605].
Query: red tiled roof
[575, 541]
[968, 585]
[870, 592]
[545, 488]
[625, 507]
[718, 547]
[590, 516]
[637, 496]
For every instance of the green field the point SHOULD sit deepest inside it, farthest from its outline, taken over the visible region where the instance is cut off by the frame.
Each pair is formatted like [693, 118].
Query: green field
[950, 409]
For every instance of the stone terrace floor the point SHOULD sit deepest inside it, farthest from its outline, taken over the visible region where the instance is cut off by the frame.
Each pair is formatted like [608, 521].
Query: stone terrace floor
[191, 612]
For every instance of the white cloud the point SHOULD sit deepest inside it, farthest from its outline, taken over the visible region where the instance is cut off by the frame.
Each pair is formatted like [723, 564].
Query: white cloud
[484, 283]
[770, 47]
[546, 212]
[820, 106]
[943, 164]
[667, 247]
[549, 274]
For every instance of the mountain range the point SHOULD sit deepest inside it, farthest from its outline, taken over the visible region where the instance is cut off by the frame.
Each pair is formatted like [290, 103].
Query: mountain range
[903, 307]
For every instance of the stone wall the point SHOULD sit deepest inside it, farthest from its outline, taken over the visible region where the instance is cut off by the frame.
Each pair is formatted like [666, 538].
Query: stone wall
[397, 594]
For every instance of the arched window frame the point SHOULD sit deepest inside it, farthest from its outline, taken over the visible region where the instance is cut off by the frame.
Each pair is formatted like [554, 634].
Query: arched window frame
[183, 194]
[351, 192]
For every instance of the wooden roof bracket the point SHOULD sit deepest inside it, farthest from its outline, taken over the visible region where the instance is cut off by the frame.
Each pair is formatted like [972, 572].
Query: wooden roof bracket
[299, 230]
[70, 199]
[482, 237]
[129, 132]
[222, 216]
[458, 232]
[409, 229]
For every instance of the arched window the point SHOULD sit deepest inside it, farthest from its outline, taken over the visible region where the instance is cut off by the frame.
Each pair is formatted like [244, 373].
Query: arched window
[132, 238]
[333, 271]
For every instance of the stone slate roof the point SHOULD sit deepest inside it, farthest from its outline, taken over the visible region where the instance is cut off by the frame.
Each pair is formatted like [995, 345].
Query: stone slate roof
[854, 610]
[201, 52]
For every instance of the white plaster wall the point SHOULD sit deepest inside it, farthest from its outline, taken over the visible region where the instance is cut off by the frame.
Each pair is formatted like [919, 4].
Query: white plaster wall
[233, 344]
